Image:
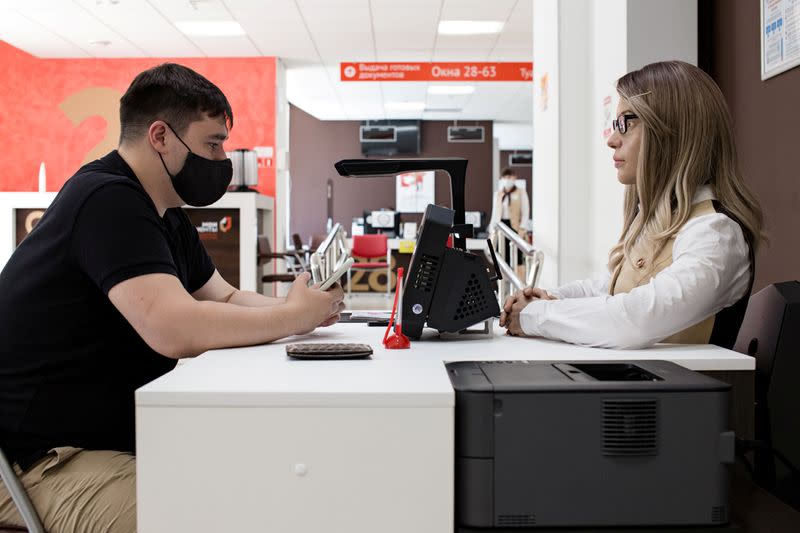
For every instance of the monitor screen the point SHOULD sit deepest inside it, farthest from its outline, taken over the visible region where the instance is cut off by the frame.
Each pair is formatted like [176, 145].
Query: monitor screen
[403, 138]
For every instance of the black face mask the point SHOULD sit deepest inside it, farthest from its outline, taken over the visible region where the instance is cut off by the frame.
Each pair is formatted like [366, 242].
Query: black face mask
[201, 181]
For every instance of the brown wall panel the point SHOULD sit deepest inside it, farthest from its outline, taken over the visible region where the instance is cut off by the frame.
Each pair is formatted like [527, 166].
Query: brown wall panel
[315, 145]
[766, 116]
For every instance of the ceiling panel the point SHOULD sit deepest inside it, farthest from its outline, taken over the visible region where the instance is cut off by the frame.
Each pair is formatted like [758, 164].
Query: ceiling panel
[404, 92]
[333, 18]
[75, 24]
[34, 38]
[311, 36]
[460, 55]
[466, 42]
[144, 26]
[238, 46]
[176, 10]
[356, 46]
[345, 5]
[276, 28]
[478, 9]
[410, 40]
[511, 54]
[515, 39]
[312, 82]
[446, 101]
[402, 19]
[408, 4]
[419, 55]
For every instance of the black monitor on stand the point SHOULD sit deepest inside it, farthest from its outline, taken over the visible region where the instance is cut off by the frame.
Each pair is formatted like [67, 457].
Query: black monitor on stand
[449, 288]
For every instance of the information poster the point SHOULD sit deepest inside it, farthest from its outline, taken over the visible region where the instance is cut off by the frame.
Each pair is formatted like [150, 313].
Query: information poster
[780, 36]
[415, 190]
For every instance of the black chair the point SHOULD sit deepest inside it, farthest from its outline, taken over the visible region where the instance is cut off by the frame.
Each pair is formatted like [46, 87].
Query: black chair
[770, 332]
[19, 496]
[304, 251]
[292, 258]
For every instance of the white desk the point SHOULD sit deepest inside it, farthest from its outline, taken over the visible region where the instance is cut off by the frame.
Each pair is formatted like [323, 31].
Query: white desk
[249, 440]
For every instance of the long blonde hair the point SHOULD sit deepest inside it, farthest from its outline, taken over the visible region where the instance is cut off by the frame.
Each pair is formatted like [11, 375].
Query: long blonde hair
[687, 142]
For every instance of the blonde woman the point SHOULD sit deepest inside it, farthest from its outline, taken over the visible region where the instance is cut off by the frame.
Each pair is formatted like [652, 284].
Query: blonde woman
[682, 270]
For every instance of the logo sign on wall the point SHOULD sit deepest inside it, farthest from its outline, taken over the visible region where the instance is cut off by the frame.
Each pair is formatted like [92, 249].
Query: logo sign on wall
[398, 71]
[219, 231]
[210, 230]
[25, 220]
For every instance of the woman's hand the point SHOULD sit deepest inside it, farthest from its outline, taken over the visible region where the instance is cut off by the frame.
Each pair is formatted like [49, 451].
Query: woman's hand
[513, 306]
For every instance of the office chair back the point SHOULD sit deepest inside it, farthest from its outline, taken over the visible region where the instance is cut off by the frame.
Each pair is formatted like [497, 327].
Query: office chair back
[369, 246]
[297, 242]
[770, 332]
[264, 250]
[19, 496]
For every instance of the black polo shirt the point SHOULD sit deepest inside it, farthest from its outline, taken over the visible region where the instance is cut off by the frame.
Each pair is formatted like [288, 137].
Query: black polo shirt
[69, 361]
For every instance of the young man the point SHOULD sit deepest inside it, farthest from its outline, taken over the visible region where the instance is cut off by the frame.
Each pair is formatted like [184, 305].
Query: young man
[109, 290]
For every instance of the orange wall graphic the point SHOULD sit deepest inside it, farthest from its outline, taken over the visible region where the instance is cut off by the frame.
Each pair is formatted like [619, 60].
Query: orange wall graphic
[65, 112]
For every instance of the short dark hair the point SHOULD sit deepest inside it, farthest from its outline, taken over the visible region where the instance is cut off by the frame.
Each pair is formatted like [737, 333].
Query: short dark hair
[507, 172]
[172, 93]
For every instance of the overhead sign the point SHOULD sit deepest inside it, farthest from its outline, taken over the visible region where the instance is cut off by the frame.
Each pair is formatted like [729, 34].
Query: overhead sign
[398, 71]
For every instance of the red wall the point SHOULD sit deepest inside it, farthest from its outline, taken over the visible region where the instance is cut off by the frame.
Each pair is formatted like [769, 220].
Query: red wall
[36, 96]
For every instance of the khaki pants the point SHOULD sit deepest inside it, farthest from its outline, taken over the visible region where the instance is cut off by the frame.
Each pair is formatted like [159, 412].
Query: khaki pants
[76, 491]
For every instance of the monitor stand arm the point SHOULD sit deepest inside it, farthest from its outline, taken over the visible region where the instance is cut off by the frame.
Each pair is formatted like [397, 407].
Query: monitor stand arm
[455, 167]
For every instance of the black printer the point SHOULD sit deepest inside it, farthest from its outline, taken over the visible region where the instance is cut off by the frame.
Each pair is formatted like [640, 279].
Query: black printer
[589, 444]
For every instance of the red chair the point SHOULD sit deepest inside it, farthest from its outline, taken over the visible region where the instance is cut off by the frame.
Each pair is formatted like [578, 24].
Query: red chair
[371, 247]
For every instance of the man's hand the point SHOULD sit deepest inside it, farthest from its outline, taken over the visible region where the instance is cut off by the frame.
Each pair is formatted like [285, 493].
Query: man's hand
[312, 307]
[333, 319]
[513, 306]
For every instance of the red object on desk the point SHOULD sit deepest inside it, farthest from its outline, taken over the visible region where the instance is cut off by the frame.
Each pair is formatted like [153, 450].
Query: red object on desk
[396, 340]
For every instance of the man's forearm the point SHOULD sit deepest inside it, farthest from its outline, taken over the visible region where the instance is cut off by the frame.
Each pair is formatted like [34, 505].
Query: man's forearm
[216, 325]
[253, 299]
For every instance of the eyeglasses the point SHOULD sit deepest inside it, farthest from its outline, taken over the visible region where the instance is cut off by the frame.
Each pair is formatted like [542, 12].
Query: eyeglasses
[621, 122]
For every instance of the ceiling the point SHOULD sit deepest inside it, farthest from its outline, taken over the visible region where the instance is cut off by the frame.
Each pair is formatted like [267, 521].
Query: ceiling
[311, 36]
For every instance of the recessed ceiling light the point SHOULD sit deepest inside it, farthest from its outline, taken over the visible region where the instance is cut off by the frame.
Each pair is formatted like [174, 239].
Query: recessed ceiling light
[99, 42]
[451, 89]
[469, 27]
[443, 110]
[405, 106]
[210, 28]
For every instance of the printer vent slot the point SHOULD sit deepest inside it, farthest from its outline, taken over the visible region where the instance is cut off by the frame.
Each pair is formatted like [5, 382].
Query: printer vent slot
[473, 300]
[516, 520]
[719, 514]
[426, 273]
[630, 427]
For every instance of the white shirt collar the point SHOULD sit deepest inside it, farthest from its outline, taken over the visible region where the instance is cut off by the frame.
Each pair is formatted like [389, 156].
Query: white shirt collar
[703, 193]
